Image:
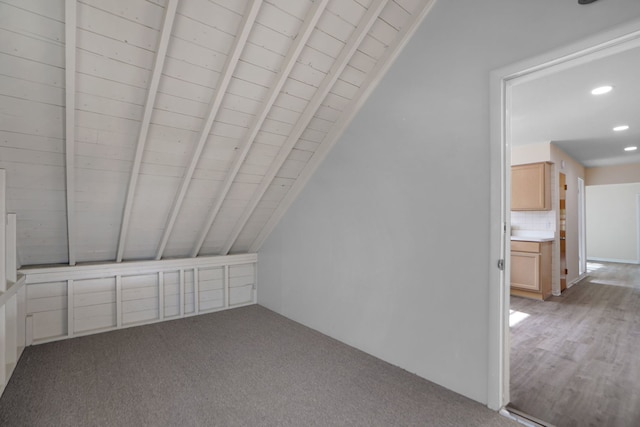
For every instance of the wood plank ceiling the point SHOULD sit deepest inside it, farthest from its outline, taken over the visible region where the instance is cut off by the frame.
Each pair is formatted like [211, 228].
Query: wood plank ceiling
[150, 129]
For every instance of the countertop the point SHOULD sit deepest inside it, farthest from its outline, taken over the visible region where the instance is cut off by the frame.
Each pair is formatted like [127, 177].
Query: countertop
[532, 239]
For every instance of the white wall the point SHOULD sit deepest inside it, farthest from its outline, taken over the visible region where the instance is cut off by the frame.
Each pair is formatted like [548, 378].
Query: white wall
[387, 247]
[531, 153]
[612, 222]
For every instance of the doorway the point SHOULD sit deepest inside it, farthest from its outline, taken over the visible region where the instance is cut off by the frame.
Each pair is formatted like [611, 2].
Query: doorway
[582, 230]
[502, 82]
[562, 228]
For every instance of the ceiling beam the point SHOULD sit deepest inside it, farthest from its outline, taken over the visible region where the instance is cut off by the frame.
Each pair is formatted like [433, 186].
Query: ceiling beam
[240, 41]
[163, 44]
[312, 107]
[382, 66]
[310, 21]
[70, 122]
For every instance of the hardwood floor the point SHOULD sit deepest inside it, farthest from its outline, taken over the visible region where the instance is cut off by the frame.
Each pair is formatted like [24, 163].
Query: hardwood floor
[575, 359]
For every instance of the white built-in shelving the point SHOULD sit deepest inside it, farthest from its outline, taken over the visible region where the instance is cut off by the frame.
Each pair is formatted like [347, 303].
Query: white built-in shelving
[12, 294]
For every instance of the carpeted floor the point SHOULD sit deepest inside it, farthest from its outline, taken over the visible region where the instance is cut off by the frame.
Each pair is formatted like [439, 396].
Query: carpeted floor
[242, 367]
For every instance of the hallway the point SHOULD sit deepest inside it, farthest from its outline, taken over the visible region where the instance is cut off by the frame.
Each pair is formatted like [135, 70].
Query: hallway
[574, 357]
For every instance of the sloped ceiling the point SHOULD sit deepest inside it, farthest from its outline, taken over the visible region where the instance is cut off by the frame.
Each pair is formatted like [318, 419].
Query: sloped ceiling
[150, 129]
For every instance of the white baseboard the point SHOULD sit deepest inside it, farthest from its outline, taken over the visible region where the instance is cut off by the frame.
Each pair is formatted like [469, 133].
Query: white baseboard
[620, 261]
[577, 279]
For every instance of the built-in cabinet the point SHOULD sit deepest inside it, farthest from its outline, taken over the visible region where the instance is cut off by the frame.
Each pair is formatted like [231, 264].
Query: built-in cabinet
[531, 269]
[530, 187]
[12, 293]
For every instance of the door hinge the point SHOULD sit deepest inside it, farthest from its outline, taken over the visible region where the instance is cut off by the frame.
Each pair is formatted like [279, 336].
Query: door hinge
[565, 187]
[501, 264]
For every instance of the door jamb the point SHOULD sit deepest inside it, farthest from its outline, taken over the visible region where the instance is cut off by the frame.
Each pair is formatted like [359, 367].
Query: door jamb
[600, 45]
[582, 228]
[638, 228]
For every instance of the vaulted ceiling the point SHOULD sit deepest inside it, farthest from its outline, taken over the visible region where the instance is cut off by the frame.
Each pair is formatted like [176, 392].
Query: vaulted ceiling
[150, 129]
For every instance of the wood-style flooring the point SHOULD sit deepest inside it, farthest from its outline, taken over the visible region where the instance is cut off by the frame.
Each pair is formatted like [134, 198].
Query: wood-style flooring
[575, 359]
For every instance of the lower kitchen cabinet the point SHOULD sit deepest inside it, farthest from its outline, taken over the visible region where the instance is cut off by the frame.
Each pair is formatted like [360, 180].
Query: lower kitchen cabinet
[531, 269]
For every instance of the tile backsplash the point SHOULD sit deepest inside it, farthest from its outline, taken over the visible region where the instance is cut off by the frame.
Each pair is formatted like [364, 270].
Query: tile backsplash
[533, 220]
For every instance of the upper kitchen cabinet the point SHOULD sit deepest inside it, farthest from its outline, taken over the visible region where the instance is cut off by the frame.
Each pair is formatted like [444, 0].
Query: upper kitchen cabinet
[530, 187]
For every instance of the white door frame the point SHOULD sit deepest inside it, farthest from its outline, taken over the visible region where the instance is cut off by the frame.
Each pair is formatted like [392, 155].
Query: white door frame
[638, 227]
[502, 80]
[582, 229]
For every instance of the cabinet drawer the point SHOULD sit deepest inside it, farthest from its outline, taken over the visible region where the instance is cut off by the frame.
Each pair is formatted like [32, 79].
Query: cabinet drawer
[519, 246]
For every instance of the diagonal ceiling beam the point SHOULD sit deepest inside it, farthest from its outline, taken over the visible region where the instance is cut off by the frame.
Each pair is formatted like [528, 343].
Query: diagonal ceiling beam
[312, 107]
[239, 43]
[310, 21]
[70, 123]
[379, 70]
[163, 44]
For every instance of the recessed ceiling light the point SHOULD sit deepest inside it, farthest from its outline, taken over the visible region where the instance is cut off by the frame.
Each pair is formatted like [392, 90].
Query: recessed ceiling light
[620, 128]
[630, 148]
[601, 90]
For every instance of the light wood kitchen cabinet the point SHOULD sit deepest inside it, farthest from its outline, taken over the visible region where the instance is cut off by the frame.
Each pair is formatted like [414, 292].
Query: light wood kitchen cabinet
[531, 269]
[530, 187]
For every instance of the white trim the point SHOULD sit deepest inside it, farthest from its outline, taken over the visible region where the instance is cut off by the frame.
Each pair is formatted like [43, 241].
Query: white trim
[500, 248]
[382, 66]
[12, 335]
[70, 124]
[577, 279]
[3, 326]
[255, 282]
[311, 19]
[3, 231]
[70, 309]
[161, 295]
[227, 300]
[163, 44]
[616, 260]
[78, 272]
[118, 301]
[522, 418]
[246, 25]
[181, 299]
[616, 40]
[196, 291]
[582, 228]
[12, 290]
[10, 249]
[638, 228]
[310, 110]
[125, 326]
[28, 330]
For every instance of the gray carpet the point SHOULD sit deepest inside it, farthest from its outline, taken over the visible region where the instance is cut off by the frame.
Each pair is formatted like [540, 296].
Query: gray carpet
[242, 367]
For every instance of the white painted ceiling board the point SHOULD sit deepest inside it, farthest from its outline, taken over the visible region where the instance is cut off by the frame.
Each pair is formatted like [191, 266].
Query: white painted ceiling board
[560, 109]
[248, 160]
[31, 120]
